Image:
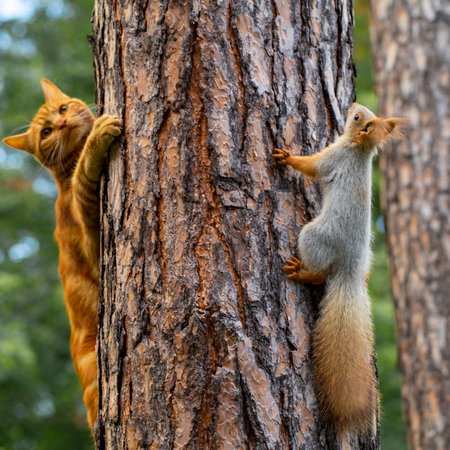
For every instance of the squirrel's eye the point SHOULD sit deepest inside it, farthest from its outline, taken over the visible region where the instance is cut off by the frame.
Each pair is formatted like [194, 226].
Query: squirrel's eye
[356, 117]
[45, 132]
[63, 109]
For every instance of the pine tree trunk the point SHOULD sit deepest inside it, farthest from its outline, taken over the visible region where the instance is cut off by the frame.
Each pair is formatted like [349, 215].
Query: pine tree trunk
[413, 67]
[203, 342]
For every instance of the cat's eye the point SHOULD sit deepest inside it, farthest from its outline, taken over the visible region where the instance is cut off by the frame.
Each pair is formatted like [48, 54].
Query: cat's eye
[356, 117]
[63, 109]
[45, 132]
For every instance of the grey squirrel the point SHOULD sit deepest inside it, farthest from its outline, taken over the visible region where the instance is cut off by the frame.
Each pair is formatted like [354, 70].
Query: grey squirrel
[335, 249]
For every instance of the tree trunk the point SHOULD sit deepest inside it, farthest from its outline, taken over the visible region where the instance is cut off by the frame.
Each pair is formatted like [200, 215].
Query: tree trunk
[413, 66]
[203, 342]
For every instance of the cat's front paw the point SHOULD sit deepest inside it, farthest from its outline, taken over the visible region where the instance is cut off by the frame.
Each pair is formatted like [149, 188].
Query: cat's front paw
[106, 129]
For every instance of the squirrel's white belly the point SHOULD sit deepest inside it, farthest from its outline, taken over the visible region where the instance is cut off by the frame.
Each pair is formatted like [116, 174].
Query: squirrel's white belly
[336, 240]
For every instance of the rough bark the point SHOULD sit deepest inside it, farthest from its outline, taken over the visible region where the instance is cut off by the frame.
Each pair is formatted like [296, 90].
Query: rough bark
[203, 342]
[413, 67]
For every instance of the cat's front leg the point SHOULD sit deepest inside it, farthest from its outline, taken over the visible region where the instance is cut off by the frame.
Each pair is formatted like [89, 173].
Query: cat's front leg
[86, 178]
[105, 130]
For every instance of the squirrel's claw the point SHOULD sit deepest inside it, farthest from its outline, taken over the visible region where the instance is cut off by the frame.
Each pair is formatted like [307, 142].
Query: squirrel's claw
[294, 260]
[292, 266]
[280, 155]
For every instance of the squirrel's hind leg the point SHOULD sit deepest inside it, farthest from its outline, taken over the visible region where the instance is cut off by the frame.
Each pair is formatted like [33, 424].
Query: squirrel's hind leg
[295, 270]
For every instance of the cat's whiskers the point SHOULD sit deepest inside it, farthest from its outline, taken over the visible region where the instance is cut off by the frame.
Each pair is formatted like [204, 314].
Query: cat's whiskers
[51, 159]
[22, 128]
[43, 166]
[60, 155]
[47, 158]
[83, 114]
[40, 168]
[51, 156]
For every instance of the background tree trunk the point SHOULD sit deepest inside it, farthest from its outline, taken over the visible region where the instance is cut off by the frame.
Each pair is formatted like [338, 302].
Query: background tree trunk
[203, 343]
[413, 67]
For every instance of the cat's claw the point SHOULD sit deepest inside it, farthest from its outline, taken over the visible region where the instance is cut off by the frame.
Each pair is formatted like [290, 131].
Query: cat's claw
[106, 129]
[109, 125]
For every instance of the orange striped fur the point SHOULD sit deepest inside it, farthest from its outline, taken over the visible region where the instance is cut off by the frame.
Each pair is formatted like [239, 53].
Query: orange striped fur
[65, 138]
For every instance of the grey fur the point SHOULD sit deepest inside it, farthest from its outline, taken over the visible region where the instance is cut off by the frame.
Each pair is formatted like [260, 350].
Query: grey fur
[337, 241]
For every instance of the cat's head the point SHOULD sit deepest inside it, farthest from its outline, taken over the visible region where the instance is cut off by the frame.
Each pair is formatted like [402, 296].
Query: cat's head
[58, 131]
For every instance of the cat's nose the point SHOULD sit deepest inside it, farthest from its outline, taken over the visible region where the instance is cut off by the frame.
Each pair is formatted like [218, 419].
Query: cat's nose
[62, 124]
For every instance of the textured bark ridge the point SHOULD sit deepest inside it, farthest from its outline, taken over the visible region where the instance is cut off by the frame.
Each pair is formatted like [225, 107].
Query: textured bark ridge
[203, 343]
[413, 67]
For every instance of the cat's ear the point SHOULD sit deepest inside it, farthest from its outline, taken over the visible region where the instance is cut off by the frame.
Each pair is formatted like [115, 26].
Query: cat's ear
[20, 142]
[51, 92]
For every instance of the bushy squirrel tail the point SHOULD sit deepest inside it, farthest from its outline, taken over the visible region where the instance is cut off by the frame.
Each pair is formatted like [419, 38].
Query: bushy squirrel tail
[343, 369]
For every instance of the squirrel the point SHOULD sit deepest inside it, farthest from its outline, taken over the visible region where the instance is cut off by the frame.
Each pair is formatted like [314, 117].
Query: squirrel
[335, 249]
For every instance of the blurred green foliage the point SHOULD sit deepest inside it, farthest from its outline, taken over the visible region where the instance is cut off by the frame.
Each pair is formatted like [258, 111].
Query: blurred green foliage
[40, 398]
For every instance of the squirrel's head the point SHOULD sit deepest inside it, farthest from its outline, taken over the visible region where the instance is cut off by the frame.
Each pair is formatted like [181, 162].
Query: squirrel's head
[369, 131]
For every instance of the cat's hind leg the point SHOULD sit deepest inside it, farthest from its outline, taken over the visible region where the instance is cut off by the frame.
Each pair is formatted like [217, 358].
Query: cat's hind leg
[82, 343]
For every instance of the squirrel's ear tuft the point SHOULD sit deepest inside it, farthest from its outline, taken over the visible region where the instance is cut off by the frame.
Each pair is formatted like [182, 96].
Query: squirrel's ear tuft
[395, 127]
[20, 142]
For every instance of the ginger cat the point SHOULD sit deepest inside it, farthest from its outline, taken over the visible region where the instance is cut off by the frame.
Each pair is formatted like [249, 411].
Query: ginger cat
[65, 138]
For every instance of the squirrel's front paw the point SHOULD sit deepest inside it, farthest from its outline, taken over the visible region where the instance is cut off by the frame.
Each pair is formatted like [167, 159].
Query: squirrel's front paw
[293, 267]
[281, 155]
[106, 129]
